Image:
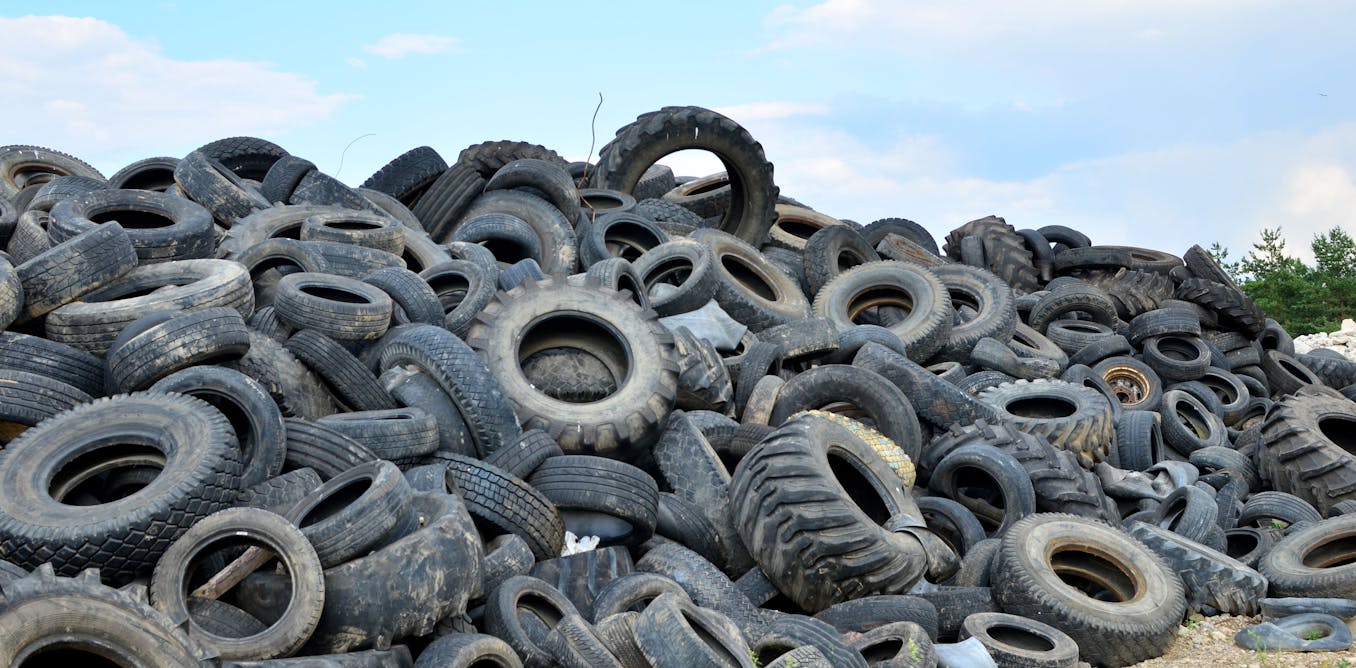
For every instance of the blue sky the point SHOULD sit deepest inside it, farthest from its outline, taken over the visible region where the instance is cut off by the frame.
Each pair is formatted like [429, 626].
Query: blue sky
[1157, 123]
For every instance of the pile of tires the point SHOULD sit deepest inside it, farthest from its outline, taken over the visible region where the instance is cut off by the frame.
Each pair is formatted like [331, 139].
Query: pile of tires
[253, 416]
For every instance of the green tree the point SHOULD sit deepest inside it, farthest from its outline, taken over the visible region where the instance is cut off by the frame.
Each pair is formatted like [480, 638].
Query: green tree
[1301, 298]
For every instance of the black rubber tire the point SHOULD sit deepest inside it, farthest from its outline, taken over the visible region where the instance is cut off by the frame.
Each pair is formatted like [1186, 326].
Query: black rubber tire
[147, 174]
[407, 175]
[988, 296]
[294, 624]
[1231, 392]
[1303, 449]
[445, 200]
[1070, 299]
[925, 328]
[1072, 336]
[935, 400]
[703, 582]
[784, 633]
[614, 273]
[215, 186]
[505, 556]
[749, 287]
[554, 314]
[248, 157]
[526, 597]
[593, 493]
[347, 378]
[223, 619]
[463, 376]
[685, 522]
[161, 227]
[1313, 561]
[1228, 459]
[23, 166]
[355, 512]
[29, 238]
[1336, 373]
[341, 308]
[903, 644]
[1083, 423]
[183, 340]
[1139, 440]
[508, 237]
[833, 250]
[1164, 321]
[296, 391]
[674, 633]
[463, 288]
[89, 621]
[803, 449]
[573, 644]
[703, 381]
[883, 404]
[1264, 508]
[524, 455]
[685, 264]
[72, 269]
[28, 399]
[1285, 374]
[255, 418]
[1213, 579]
[871, 612]
[952, 522]
[463, 650]
[92, 323]
[623, 161]
[1192, 513]
[1232, 306]
[989, 482]
[415, 300]
[1091, 258]
[507, 504]
[1012, 640]
[794, 226]
[317, 446]
[1188, 425]
[1005, 252]
[975, 566]
[357, 228]
[281, 492]
[1027, 342]
[1248, 544]
[555, 235]
[632, 592]
[617, 633]
[200, 474]
[1027, 579]
[1059, 483]
[618, 234]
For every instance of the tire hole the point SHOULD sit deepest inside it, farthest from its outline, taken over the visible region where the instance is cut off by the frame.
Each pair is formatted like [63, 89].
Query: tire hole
[133, 220]
[859, 487]
[1341, 431]
[747, 276]
[83, 480]
[1042, 408]
[593, 361]
[1093, 574]
[1338, 551]
[75, 653]
[333, 294]
[1017, 637]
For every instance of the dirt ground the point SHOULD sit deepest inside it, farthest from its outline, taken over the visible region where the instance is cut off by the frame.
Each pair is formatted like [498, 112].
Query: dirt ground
[1209, 641]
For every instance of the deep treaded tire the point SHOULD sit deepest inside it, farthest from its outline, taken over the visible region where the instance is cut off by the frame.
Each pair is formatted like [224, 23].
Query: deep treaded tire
[753, 195]
[87, 619]
[809, 502]
[1306, 448]
[1146, 598]
[407, 175]
[552, 314]
[189, 441]
[1060, 484]
[463, 376]
[1074, 418]
[1005, 252]
[1226, 300]
[1212, 578]
[506, 503]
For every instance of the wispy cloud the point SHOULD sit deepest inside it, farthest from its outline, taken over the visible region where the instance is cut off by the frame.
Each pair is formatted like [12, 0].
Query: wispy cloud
[104, 93]
[760, 111]
[399, 45]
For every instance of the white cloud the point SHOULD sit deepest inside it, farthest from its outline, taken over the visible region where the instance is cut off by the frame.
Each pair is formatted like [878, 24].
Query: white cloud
[761, 111]
[356, 62]
[399, 45]
[108, 97]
